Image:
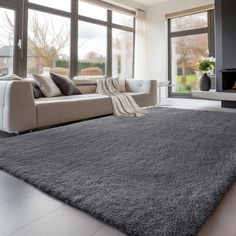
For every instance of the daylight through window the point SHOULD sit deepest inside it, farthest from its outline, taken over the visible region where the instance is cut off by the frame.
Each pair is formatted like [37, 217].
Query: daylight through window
[190, 39]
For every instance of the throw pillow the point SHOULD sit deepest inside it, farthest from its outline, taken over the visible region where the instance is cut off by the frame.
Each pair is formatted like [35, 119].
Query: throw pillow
[36, 90]
[47, 86]
[66, 86]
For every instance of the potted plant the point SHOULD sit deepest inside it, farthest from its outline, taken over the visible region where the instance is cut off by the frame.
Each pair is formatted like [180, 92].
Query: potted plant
[205, 65]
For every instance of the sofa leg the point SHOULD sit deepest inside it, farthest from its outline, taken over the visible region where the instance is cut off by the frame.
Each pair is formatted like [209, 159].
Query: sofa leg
[31, 131]
[17, 133]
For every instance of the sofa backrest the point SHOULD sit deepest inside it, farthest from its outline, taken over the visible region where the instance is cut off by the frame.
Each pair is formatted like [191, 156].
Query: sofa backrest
[87, 84]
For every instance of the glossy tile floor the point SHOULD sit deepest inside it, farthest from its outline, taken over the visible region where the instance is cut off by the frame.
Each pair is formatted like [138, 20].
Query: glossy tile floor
[197, 104]
[25, 211]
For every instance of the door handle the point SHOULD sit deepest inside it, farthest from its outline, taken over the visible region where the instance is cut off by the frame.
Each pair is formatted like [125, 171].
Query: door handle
[19, 44]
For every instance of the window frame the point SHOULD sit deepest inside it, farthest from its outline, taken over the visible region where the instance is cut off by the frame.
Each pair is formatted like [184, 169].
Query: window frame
[22, 30]
[18, 53]
[110, 25]
[209, 30]
[47, 10]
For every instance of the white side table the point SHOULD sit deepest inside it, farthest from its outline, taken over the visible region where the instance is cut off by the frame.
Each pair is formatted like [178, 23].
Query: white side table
[162, 85]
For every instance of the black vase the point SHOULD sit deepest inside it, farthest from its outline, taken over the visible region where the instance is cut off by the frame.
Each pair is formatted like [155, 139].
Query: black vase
[205, 82]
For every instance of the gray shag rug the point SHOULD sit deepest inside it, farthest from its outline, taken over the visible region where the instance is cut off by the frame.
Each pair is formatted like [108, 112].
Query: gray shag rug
[162, 174]
[5, 135]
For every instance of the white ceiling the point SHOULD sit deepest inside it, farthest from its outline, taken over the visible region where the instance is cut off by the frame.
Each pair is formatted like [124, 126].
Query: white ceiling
[150, 2]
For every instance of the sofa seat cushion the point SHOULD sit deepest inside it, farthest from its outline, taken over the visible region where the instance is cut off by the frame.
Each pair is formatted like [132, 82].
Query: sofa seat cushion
[52, 111]
[63, 109]
[140, 98]
[67, 98]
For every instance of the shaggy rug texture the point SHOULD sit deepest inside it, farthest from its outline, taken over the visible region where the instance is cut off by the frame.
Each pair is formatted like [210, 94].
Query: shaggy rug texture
[161, 174]
[5, 135]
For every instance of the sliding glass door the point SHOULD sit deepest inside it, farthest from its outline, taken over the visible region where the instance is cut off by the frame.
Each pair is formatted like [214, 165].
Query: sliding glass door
[8, 49]
[186, 52]
[191, 38]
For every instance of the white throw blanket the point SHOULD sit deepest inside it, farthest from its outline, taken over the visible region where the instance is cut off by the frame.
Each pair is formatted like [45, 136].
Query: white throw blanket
[123, 103]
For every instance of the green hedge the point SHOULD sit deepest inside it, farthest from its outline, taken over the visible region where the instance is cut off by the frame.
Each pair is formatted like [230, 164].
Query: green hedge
[81, 65]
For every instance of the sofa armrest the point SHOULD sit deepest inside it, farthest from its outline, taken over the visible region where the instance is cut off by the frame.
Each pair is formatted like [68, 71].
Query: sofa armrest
[143, 86]
[17, 106]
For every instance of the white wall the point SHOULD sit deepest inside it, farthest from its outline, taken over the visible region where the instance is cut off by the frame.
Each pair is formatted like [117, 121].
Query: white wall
[157, 40]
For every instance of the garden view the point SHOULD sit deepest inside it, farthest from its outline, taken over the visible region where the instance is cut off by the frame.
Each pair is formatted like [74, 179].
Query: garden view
[188, 45]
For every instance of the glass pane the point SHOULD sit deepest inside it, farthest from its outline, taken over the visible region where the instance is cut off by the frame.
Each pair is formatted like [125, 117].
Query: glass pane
[64, 5]
[122, 19]
[93, 11]
[190, 22]
[7, 38]
[186, 52]
[92, 49]
[48, 43]
[122, 54]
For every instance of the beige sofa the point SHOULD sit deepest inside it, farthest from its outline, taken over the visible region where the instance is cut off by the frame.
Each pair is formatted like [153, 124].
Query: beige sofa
[19, 111]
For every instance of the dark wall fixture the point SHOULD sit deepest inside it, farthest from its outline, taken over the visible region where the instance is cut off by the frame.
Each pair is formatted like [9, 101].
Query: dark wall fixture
[225, 17]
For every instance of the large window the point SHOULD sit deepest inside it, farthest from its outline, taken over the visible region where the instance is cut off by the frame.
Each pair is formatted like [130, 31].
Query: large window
[191, 37]
[48, 43]
[63, 5]
[92, 49]
[122, 19]
[105, 41]
[92, 11]
[68, 37]
[189, 22]
[122, 55]
[7, 40]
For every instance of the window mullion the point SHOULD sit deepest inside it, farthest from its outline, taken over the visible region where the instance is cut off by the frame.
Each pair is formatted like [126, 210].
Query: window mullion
[23, 63]
[109, 43]
[134, 42]
[189, 32]
[74, 39]
[211, 32]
